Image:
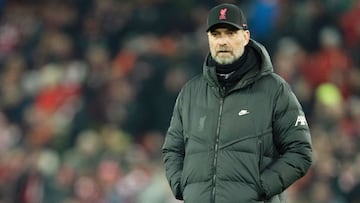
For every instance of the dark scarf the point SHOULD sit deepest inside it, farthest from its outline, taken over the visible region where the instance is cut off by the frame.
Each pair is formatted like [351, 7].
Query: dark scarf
[228, 75]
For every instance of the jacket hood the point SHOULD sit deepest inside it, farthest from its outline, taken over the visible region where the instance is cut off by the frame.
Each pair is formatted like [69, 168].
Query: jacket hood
[266, 67]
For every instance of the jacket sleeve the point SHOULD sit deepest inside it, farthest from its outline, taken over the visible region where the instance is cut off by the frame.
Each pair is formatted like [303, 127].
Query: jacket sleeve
[292, 139]
[173, 150]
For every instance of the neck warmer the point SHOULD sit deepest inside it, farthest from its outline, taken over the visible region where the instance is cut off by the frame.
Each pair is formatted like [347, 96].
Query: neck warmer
[228, 75]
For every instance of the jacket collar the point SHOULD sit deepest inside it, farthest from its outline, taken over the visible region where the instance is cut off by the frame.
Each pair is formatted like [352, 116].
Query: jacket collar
[266, 67]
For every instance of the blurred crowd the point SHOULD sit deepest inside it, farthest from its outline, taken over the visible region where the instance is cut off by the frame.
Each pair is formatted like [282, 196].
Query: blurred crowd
[87, 89]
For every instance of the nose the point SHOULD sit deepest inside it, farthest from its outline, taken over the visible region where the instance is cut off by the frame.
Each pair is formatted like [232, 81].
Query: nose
[222, 39]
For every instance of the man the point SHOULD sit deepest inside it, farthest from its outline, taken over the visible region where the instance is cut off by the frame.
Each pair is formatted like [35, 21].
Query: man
[238, 133]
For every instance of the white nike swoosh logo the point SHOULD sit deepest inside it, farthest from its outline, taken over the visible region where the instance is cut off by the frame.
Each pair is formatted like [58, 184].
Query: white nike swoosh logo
[243, 112]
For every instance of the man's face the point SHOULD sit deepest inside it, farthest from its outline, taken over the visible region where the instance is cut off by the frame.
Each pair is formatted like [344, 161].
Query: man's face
[227, 44]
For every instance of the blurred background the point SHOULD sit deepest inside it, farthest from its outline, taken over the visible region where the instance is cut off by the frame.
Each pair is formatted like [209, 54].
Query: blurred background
[87, 89]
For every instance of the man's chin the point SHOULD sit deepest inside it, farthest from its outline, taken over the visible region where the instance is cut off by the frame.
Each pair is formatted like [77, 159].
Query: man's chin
[224, 60]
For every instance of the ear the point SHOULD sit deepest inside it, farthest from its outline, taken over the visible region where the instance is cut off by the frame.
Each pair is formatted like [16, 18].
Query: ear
[246, 36]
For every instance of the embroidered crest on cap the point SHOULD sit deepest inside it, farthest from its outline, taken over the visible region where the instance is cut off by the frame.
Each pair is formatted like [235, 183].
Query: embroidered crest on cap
[223, 14]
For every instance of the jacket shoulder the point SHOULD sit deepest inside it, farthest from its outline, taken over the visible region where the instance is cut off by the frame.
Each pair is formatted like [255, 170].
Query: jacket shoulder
[274, 78]
[195, 82]
[272, 82]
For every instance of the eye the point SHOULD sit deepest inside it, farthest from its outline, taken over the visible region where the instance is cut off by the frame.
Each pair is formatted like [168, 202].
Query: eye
[215, 34]
[230, 32]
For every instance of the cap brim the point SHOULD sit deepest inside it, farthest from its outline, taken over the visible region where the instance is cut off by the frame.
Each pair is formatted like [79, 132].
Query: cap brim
[224, 24]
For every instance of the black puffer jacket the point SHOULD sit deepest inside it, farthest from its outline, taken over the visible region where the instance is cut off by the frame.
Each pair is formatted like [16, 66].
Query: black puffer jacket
[247, 145]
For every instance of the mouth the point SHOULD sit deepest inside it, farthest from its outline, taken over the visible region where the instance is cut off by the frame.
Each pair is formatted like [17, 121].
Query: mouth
[223, 52]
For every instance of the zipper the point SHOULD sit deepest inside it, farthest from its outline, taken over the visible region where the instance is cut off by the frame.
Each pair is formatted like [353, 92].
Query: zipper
[261, 151]
[216, 149]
